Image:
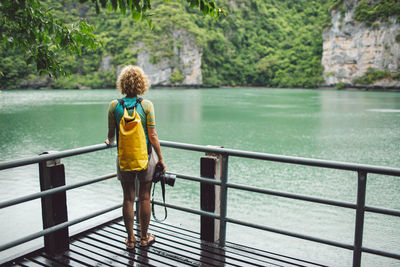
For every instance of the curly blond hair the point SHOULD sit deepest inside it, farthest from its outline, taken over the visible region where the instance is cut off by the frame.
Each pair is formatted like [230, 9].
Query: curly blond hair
[132, 81]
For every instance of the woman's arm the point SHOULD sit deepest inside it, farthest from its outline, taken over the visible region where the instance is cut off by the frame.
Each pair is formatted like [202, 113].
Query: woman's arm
[111, 124]
[153, 137]
[110, 136]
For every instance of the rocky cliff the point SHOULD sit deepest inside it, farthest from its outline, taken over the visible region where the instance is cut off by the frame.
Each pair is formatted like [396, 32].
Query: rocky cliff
[183, 68]
[350, 48]
[185, 62]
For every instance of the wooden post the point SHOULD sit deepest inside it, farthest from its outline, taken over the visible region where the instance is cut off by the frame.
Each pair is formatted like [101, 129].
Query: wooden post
[54, 207]
[210, 167]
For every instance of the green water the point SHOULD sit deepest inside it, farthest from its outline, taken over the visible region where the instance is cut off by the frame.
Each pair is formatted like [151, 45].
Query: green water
[352, 126]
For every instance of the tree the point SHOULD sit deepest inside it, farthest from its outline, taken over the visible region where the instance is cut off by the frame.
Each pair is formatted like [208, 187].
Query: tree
[30, 28]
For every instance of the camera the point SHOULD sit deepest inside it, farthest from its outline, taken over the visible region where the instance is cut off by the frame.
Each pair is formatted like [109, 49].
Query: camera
[169, 179]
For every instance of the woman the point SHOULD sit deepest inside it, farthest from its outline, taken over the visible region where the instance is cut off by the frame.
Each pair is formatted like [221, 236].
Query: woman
[132, 82]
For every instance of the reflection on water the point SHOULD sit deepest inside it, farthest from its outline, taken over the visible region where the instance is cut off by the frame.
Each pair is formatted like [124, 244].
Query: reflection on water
[348, 126]
[384, 110]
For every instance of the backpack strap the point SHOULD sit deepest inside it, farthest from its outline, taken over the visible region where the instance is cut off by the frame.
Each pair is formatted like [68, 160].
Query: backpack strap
[121, 101]
[139, 101]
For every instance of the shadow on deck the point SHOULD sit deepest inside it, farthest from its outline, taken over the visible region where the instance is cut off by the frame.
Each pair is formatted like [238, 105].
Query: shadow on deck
[174, 246]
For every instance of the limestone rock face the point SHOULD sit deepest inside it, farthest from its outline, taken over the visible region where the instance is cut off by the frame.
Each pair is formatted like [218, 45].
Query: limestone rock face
[186, 59]
[105, 63]
[350, 48]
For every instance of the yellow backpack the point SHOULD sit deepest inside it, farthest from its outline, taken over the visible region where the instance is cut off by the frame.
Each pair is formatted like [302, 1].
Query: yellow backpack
[132, 147]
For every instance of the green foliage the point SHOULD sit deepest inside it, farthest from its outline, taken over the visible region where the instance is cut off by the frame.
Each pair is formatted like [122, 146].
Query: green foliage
[139, 8]
[330, 74]
[283, 49]
[375, 26]
[340, 85]
[13, 67]
[398, 38]
[369, 12]
[373, 75]
[396, 76]
[177, 77]
[335, 5]
[32, 28]
[98, 80]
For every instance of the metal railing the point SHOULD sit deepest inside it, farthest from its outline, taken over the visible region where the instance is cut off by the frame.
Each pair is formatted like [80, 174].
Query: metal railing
[360, 207]
[44, 158]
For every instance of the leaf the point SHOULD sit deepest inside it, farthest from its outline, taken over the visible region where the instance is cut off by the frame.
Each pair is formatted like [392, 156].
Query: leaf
[97, 8]
[114, 4]
[136, 15]
[103, 3]
[149, 21]
[122, 6]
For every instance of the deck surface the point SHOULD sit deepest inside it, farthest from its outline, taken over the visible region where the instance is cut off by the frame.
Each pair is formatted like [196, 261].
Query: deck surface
[105, 246]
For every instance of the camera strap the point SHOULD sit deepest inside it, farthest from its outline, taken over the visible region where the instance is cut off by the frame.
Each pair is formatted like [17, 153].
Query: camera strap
[163, 196]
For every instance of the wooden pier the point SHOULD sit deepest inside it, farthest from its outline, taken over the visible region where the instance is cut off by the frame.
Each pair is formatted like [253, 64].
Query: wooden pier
[174, 246]
[104, 245]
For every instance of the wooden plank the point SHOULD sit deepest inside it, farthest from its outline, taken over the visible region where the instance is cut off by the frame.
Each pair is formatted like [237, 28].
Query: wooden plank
[156, 250]
[108, 255]
[95, 254]
[236, 250]
[64, 259]
[217, 253]
[22, 262]
[253, 252]
[174, 246]
[207, 256]
[120, 256]
[25, 263]
[208, 252]
[83, 260]
[39, 259]
[180, 251]
[230, 257]
[117, 245]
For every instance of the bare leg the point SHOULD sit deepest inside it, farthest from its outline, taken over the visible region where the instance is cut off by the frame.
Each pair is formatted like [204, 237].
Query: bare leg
[127, 208]
[144, 208]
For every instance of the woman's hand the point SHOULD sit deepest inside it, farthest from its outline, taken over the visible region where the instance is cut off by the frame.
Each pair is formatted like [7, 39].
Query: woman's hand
[109, 142]
[163, 165]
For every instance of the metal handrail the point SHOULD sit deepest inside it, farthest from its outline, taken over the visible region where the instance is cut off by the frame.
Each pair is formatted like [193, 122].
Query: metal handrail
[48, 192]
[319, 200]
[287, 159]
[360, 207]
[361, 169]
[56, 228]
[231, 152]
[52, 156]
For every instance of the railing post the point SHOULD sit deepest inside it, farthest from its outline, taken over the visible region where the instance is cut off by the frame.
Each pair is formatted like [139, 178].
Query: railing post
[224, 199]
[209, 227]
[54, 207]
[359, 227]
[213, 198]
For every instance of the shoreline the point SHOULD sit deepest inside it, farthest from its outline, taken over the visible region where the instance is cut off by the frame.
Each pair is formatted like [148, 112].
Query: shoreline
[183, 87]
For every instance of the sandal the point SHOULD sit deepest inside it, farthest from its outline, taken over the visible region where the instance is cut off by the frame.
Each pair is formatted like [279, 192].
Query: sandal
[130, 245]
[146, 242]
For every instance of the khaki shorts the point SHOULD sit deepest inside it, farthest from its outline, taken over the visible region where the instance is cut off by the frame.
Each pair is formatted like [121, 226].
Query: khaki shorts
[143, 176]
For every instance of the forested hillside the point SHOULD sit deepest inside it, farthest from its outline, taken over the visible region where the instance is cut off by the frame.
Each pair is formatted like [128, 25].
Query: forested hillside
[259, 43]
